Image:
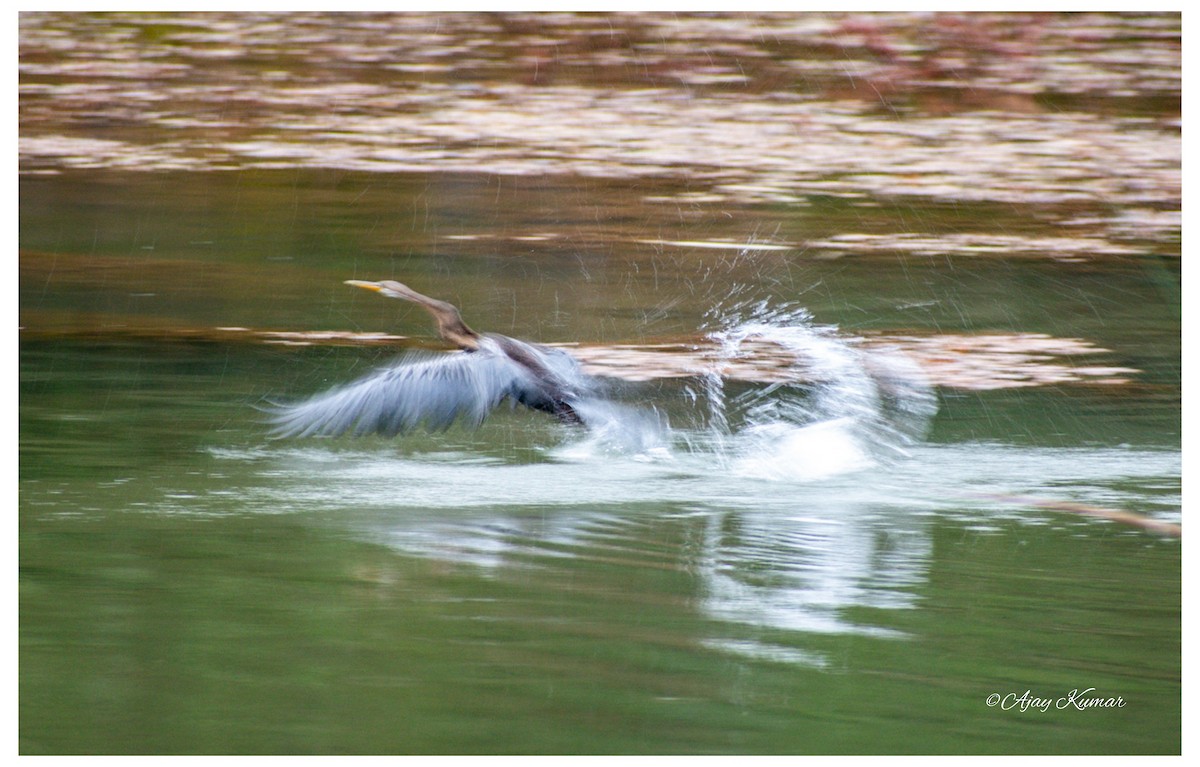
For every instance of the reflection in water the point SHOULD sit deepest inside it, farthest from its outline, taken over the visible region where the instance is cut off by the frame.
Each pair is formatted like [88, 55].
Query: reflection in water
[784, 570]
[793, 555]
[751, 108]
[795, 564]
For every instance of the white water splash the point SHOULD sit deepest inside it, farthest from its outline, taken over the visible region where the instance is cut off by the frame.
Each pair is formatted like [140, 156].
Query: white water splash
[837, 408]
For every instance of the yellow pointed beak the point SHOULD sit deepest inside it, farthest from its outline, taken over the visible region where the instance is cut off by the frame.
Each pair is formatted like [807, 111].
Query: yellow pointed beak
[368, 285]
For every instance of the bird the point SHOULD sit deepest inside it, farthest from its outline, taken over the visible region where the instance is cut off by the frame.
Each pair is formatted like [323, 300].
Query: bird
[437, 390]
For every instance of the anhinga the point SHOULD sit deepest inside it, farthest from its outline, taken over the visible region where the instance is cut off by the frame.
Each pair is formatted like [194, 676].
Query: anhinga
[434, 391]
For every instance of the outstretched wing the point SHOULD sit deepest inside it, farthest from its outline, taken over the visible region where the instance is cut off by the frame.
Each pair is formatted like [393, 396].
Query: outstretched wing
[433, 391]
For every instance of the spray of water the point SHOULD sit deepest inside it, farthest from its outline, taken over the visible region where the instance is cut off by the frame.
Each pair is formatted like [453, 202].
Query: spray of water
[831, 406]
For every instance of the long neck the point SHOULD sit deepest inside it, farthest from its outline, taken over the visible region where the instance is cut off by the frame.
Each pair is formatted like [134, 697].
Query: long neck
[450, 324]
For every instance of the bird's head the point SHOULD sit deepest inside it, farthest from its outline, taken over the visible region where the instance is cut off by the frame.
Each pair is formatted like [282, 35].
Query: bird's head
[391, 289]
[449, 322]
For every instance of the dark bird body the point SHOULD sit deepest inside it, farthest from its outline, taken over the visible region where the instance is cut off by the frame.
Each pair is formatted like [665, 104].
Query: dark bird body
[435, 390]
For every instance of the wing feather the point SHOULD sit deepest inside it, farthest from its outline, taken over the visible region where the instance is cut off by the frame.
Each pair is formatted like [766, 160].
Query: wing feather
[433, 391]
